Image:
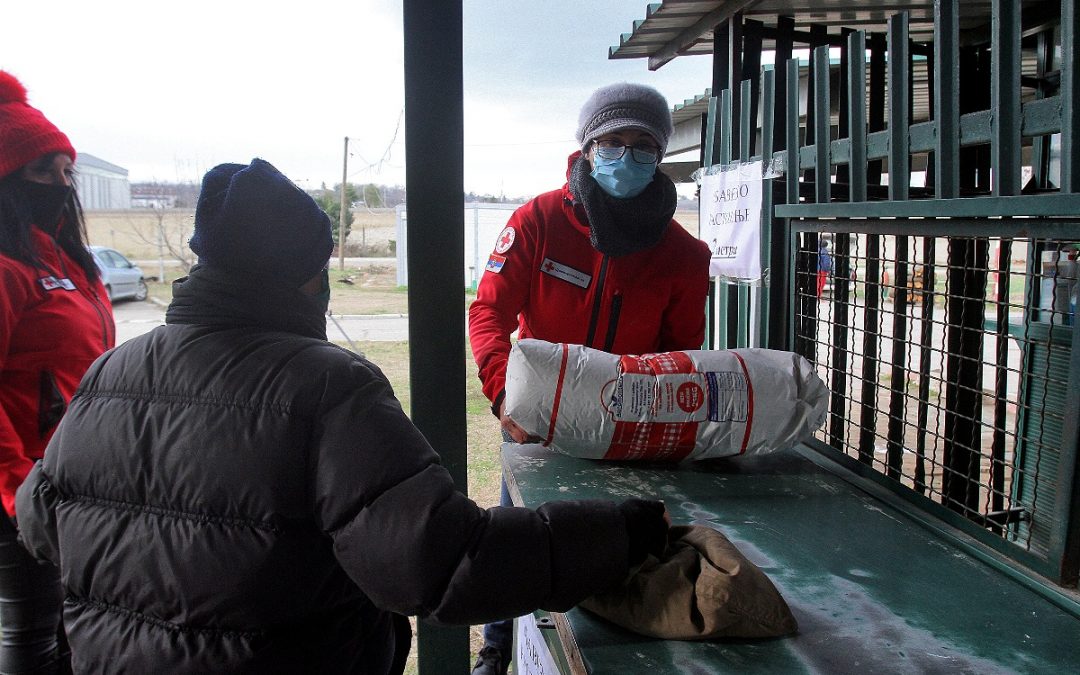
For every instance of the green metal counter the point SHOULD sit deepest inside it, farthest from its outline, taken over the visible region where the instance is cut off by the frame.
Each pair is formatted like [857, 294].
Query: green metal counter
[872, 589]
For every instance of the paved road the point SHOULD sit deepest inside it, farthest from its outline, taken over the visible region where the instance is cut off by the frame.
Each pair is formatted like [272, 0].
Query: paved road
[151, 263]
[135, 318]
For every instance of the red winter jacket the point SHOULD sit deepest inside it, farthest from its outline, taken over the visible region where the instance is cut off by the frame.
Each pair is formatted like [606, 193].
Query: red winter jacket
[546, 279]
[53, 324]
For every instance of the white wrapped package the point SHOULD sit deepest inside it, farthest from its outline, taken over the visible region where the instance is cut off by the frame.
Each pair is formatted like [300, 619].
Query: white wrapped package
[672, 406]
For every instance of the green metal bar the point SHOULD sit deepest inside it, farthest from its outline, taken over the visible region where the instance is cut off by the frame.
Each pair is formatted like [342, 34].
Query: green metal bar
[1039, 117]
[1005, 148]
[947, 98]
[742, 292]
[822, 164]
[791, 158]
[926, 346]
[1066, 530]
[768, 223]
[899, 105]
[735, 73]
[791, 161]
[725, 329]
[1040, 145]
[751, 71]
[785, 27]
[868, 408]
[1070, 88]
[712, 123]
[822, 192]
[856, 78]
[1005, 96]
[972, 207]
[898, 384]
[998, 440]
[961, 463]
[872, 296]
[745, 98]
[1012, 227]
[899, 183]
[433, 74]
[876, 113]
[843, 171]
[710, 133]
[726, 129]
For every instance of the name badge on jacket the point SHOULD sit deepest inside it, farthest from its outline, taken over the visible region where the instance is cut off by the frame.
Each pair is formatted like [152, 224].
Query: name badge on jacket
[566, 273]
[52, 283]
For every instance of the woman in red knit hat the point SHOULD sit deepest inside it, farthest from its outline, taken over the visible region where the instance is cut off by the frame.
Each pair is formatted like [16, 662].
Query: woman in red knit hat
[55, 319]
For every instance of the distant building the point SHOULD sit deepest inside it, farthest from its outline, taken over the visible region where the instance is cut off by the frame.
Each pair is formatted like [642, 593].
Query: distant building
[102, 185]
[153, 196]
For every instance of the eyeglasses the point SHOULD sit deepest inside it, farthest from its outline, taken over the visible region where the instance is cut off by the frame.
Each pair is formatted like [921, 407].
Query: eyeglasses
[642, 154]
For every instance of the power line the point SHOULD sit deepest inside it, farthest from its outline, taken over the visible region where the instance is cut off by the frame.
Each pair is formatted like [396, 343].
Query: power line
[377, 165]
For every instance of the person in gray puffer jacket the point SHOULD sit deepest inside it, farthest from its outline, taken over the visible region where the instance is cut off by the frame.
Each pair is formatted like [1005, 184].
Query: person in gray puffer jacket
[232, 493]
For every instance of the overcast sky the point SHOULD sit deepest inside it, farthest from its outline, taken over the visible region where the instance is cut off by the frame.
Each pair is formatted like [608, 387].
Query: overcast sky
[168, 90]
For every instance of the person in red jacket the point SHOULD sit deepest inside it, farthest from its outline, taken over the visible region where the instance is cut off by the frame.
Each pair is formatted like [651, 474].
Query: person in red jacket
[599, 262]
[55, 319]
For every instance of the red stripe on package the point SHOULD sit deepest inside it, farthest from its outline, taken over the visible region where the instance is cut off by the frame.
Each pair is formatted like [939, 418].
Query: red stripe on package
[749, 406]
[558, 394]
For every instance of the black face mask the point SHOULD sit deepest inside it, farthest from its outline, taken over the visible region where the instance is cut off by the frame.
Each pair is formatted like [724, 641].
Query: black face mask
[47, 201]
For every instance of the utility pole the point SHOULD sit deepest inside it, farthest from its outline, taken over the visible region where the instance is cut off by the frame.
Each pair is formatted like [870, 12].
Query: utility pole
[161, 243]
[341, 211]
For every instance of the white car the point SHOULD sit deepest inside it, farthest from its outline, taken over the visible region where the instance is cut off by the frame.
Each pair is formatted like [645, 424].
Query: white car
[122, 278]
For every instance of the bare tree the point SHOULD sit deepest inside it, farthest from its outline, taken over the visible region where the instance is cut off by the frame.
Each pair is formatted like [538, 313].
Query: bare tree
[171, 242]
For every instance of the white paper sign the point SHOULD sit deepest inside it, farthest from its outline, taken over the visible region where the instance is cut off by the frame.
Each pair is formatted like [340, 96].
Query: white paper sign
[533, 655]
[730, 221]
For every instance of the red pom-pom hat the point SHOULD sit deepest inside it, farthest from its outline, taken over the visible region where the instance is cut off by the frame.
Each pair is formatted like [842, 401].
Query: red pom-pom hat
[25, 134]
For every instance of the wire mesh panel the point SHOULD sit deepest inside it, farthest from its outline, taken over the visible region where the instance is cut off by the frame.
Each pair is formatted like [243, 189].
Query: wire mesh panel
[949, 361]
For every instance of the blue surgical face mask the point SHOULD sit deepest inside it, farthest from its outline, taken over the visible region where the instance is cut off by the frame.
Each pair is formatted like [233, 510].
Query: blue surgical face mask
[622, 178]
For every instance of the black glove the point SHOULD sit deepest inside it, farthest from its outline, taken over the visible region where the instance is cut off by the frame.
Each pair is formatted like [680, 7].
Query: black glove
[645, 527]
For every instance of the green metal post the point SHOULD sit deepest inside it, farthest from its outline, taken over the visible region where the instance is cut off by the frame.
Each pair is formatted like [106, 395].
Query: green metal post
[1065, 533]
[746, 98]
[434, 162]
[791, 162]
[1005, 96]
[724, 329]
[822, 140]
[855, 76]
[768, 112]
[899, 182]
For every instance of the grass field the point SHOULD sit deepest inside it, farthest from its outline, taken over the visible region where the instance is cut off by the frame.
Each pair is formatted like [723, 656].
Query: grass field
[135, 232]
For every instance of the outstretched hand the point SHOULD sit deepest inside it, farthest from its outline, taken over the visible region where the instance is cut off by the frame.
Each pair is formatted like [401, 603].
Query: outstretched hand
[515, 432]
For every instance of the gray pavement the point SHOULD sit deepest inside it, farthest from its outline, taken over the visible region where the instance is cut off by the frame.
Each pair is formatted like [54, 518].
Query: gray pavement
[151, 263]
[135, 318]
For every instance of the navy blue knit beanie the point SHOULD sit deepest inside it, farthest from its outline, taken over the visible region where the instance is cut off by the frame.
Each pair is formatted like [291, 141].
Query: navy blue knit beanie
[253, 219]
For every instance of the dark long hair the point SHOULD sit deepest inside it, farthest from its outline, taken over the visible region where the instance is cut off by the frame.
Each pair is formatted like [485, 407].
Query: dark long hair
[16, 223]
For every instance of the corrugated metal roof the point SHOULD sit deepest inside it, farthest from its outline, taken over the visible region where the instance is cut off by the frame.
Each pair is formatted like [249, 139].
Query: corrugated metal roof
[683, 27]
[691, 108]
[88, 160]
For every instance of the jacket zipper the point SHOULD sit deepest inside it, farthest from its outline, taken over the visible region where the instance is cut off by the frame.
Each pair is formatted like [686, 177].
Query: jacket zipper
[89, 294]
[613, 321]
[595, 317]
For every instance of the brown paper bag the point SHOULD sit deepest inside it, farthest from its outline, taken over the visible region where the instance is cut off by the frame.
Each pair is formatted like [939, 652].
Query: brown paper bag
[703, 588]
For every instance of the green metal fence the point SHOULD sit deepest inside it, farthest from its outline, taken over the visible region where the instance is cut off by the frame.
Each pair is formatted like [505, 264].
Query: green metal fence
[944, 328]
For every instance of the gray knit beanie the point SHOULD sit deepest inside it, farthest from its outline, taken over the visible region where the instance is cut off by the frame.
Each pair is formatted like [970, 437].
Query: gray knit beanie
[625, 106]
